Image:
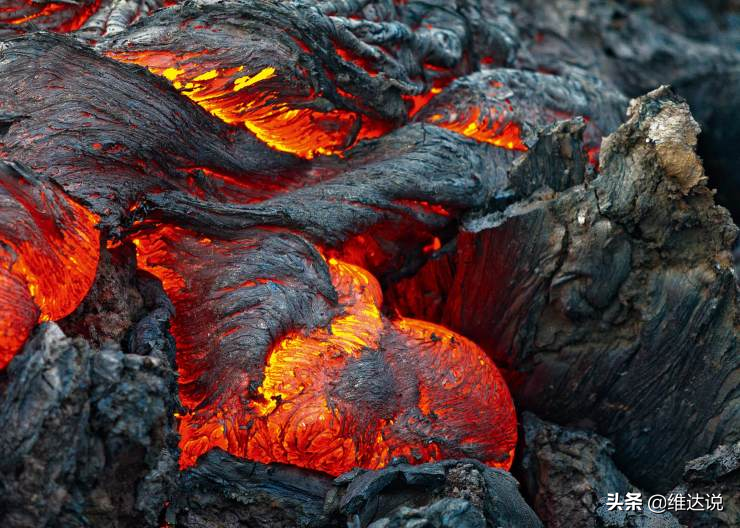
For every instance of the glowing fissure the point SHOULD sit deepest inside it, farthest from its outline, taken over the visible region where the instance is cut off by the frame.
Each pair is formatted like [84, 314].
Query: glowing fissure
[301, 131]
[484, 127]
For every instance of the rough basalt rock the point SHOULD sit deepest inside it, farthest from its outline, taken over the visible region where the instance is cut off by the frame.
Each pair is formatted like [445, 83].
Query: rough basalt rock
[717, 473]
[569, 473]
[222, 490]
[612, 303]
[86, 433]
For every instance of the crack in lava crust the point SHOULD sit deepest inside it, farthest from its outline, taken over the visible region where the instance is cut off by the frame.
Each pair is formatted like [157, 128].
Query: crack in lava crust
[356, 392]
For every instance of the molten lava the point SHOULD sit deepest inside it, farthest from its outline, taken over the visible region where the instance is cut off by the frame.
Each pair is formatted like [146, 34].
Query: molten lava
[18, 315]
[62, 17]
[237, 95]
[483, 126]
[49, 244]
[359, 392]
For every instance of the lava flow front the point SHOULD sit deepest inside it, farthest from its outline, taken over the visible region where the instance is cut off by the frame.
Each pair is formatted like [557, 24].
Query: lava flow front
[359, 392]
[283, 352]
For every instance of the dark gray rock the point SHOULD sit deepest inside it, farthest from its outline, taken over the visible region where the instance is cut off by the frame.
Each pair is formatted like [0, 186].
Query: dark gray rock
[715, 474]
[87, 435]
[445, 513]
[226, 492]
[462, 491]
[569, 473]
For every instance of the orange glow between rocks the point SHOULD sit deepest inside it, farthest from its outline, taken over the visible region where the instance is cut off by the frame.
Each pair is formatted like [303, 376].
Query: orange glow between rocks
[485, 128]
[235, 96]
[52, 250]
[445, 397]
[38, 12]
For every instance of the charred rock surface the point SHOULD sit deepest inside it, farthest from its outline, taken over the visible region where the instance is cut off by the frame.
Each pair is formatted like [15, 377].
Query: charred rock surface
[113, 302]
[87, 434]
[225, 491]
[484, 104]
[593, 321]
[715, 474]
[568, 474]
[637, 52]
[445, 494]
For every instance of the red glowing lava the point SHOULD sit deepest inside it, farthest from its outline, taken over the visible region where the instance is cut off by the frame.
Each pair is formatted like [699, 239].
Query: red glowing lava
[484, 127]
[360, 392]
[238, 95]
[62, 17]
[48, 244]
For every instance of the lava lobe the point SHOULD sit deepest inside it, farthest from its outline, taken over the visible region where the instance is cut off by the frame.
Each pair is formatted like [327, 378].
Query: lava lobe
[357, 390]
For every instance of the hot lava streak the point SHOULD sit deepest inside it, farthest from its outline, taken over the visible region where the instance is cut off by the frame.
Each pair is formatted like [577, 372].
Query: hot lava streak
[255, 98]
[63, 17]
[357, 391]
[49, 249]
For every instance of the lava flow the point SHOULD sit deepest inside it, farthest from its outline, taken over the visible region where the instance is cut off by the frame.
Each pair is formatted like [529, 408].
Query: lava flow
[238, 95]
[63, 17]
[358, 392]
[485, 128]
[49, 249]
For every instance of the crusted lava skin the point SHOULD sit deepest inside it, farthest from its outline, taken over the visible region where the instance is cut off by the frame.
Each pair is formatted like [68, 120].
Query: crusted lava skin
[236, 231]
[109, 133]
[282, 283]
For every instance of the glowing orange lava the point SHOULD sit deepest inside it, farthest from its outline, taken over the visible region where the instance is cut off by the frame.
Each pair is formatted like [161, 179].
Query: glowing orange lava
[74, 16]
[358, 393]
[18, 315]
[485, 127]
[50, 245]
[238, 95]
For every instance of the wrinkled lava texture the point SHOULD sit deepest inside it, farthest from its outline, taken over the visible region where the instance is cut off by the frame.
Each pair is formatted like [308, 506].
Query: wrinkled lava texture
[360, 391]
[204, 135]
